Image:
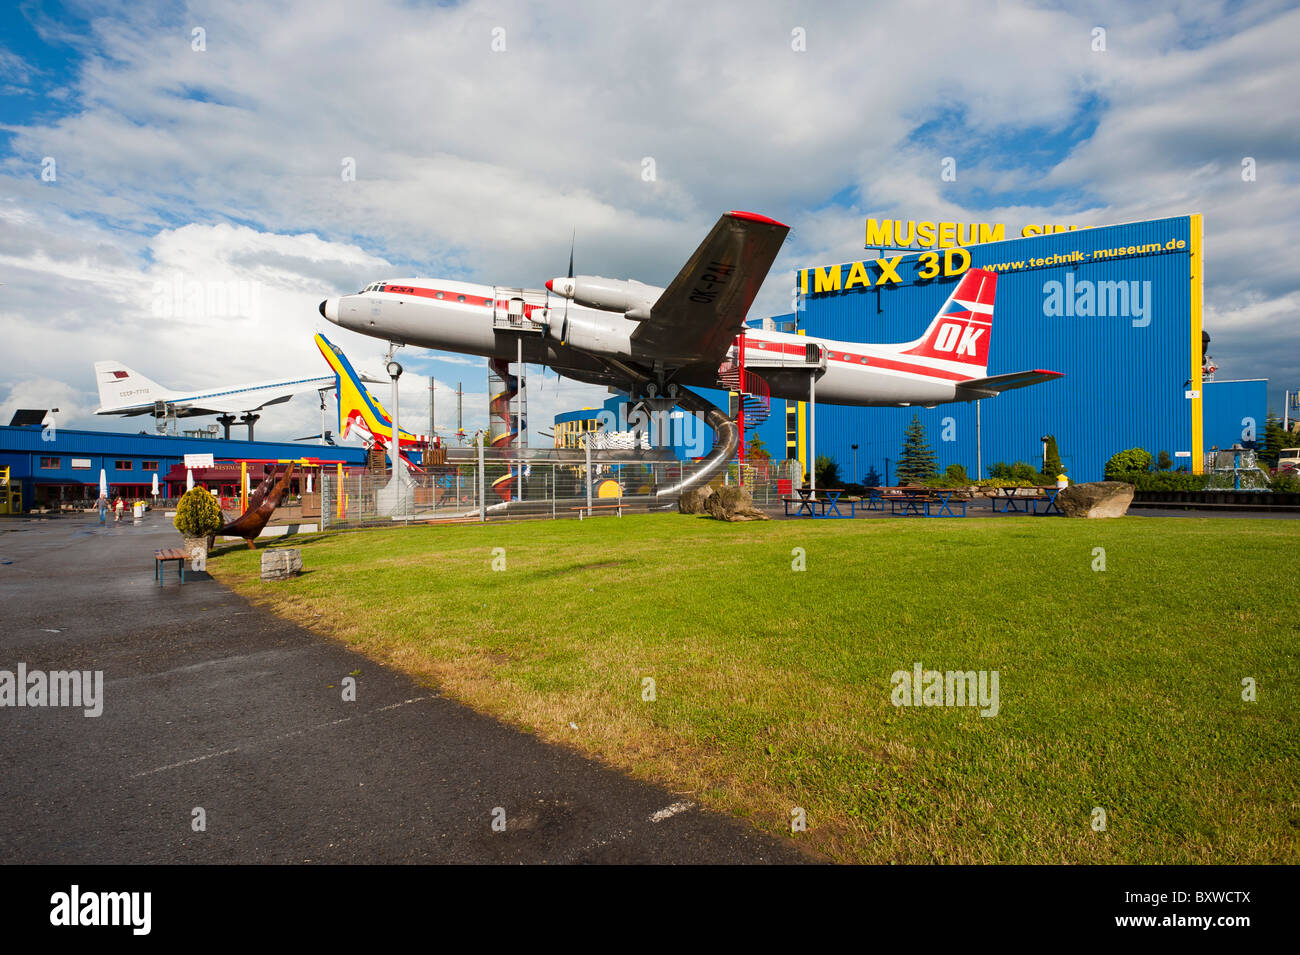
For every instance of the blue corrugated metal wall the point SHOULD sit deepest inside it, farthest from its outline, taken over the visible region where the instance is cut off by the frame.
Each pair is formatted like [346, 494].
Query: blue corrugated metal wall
[1235, 412]
[22, 449]
[1125, 378]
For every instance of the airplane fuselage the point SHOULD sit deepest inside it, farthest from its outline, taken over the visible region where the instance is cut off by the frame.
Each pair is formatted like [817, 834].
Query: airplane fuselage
[591, 344]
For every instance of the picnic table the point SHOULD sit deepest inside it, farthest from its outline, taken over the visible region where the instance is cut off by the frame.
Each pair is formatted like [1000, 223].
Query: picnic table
[808, 503]
[914, 501]
[1017, 500]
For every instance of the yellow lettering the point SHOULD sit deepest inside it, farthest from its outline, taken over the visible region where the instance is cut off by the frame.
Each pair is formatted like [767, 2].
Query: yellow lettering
[950, 257]
[925, 233]
[880, 234]
[947, 235]
[900, 240]
[992, 233]
[858, 276]
[803, 281]
[826, 279]
[1060, 228]
[887, 270]
[1031, 230]
[930, 263]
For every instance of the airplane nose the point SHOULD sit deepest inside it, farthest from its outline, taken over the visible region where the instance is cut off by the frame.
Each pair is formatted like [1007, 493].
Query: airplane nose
[329, 309]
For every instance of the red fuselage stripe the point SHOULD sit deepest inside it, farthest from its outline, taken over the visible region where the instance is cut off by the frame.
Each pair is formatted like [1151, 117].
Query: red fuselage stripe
[751, 345]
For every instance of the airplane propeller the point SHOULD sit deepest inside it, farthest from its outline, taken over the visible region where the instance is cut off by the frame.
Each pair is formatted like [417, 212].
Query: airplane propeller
[564, 324]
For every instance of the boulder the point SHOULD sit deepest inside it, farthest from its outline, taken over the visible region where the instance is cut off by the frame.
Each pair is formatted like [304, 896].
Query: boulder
[281, 563]
[692, 501]
[1097, 499]
[732, 503]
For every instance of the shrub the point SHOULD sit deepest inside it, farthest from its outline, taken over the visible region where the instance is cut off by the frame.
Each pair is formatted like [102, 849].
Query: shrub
[198, 514]
[828, 471]
[1162, 480]
[1020, 471]
[1127, 462]
[1288, 483]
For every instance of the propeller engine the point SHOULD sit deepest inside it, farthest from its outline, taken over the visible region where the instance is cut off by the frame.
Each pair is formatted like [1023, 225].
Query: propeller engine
[628, 296]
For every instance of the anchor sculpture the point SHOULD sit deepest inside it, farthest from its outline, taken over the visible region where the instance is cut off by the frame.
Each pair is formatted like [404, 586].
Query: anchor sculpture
[266, 497]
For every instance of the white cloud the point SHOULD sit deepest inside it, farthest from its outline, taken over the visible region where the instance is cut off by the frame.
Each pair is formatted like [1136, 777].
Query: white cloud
[225, 165]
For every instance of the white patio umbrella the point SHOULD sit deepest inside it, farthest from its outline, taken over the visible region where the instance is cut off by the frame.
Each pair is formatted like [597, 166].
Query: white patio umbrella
[308, 482]
[154, 492]
[189, 480]
[103, 482]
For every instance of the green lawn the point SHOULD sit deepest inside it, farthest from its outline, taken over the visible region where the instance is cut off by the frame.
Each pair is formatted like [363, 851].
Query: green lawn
[1119, 689]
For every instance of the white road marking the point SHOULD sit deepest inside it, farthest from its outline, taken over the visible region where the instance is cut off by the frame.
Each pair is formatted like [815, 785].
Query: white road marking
[276, 739]
[670, 811]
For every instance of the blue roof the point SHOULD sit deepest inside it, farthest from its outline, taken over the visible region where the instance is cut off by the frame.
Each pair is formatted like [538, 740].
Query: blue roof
[65, 441]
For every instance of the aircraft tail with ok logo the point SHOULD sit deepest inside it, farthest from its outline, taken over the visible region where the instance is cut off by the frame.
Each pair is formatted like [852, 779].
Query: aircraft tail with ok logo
[958, 340]
[958, 337]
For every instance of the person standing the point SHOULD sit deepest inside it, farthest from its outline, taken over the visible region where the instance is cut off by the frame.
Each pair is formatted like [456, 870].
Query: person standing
[102, 504]
[117, 510]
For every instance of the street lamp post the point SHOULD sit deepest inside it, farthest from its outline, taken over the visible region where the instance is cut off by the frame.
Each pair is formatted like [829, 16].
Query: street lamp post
[855, 462]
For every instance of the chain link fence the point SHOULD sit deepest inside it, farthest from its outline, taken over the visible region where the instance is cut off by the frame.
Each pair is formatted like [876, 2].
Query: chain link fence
[536, 485]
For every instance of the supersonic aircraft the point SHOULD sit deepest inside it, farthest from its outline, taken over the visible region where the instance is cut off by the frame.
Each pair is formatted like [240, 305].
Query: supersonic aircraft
[126, 392]
[646, 340]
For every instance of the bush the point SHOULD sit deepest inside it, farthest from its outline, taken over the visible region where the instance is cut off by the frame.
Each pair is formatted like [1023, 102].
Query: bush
[828, 471]
[954, 476]
[1127, 462]
[1162, 480]
[1288, 483]
[198, 514]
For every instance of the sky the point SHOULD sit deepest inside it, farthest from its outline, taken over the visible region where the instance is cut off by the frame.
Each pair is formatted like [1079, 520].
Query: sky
[270, 155]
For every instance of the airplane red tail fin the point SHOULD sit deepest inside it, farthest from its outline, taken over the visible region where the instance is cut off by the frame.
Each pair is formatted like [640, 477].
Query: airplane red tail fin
[961, 329]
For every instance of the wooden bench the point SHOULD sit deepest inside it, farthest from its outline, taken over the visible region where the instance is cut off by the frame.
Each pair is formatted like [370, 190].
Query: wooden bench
[163, 555]
[601, 507]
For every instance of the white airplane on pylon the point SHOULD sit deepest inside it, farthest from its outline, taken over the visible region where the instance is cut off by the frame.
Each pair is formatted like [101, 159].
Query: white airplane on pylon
[652, 341]
[626, 334]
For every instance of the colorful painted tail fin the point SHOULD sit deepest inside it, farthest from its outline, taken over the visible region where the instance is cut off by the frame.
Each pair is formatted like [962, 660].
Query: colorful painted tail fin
[961, 330]
[358, 407]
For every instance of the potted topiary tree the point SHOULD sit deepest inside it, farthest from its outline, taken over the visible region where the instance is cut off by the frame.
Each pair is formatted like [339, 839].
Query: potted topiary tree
[198, 518]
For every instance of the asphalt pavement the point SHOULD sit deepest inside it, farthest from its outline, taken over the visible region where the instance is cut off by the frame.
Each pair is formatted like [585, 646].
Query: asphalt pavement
[219, 713]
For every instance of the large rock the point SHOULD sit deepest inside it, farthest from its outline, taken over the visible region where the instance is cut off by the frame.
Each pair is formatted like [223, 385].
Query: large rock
[692, 501]
[281, 563]
[732, 503]
[1098, 499]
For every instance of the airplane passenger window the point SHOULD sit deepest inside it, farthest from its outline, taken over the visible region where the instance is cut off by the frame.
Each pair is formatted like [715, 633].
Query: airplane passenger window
[438, 295]
[460, 298]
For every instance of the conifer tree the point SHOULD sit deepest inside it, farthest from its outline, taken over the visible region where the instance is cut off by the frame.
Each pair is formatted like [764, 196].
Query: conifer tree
[917, 461]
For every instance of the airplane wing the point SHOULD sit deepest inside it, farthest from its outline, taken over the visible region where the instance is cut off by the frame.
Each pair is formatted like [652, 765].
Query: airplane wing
[698, 316]
[202, 406]
[988, 387]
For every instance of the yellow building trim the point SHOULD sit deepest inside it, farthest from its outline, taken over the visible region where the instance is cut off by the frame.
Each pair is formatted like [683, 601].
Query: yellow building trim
[802, 426]
[1197, 260]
